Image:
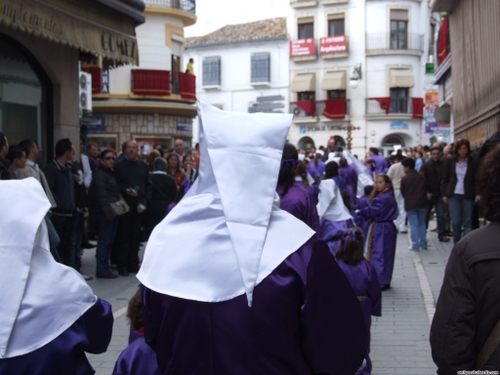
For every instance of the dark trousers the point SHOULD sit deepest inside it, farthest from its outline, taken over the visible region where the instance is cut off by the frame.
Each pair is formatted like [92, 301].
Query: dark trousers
[128, 240]
[74, 256]
[107, 231]
[439, 204]
[62, 225]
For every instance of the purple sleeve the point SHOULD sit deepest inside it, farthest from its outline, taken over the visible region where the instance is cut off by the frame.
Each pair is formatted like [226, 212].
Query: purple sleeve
[335, 335]
[98, 326]
[372, 210]
[312, 215]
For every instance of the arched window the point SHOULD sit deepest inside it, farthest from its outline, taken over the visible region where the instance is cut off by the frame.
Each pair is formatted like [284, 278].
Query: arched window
[393, 139]
[24, 92]
[306, 143]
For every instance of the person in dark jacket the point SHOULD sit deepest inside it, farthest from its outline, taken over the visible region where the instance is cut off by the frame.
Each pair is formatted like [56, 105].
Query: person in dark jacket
[458, 188]
[469, 305]
[60, 181]
[416, 203]
[433, 173]
[4, 163]
[132, 175]
[163, 193]
[104, 190]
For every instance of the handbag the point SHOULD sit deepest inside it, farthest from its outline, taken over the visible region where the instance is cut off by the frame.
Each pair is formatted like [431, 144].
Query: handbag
[119, 207]
[489, 347]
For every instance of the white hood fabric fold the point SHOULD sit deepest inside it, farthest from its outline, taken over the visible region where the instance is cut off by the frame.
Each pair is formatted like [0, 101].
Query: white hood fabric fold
[40, 298]
[227, 234]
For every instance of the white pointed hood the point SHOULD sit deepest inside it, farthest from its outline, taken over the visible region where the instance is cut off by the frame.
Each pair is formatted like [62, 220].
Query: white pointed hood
[40, 298]
[226, 235]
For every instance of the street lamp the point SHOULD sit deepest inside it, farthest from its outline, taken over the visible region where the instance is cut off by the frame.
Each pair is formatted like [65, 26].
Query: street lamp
[356, 76]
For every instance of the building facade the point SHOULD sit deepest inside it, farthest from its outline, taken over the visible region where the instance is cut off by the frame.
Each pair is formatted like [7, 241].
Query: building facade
[243, 68]
[42, 44]
[471, 53]
[357, 71]
[152, 101]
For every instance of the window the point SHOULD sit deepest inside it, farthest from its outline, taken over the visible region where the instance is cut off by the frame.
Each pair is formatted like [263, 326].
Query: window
[336, 94]
[306, 27]
[399, 29]
[307, 95]
[336, 24]
[399, 100]
[211, 71]
[261, 67]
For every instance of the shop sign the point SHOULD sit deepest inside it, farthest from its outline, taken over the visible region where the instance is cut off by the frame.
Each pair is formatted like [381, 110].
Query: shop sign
[94, 123]
[302, 47]
[399, 125]
[430, 126]
[60, 25]
[432, 97]
[333, 44]
[184, 126]
[429, 112]
[318, 128]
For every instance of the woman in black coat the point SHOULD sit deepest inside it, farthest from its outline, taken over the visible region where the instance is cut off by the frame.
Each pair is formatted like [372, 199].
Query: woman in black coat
[104, 190]
[458, 188]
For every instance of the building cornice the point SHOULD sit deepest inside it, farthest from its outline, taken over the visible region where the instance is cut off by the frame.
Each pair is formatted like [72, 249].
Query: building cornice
[187, 18]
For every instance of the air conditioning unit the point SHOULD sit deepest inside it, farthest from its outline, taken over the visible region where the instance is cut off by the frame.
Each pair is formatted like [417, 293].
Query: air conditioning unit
[85, 91]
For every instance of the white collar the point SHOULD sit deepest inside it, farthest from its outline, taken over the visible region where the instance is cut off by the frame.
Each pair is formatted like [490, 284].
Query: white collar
[240, 237]
[158, 172]
[34, 309]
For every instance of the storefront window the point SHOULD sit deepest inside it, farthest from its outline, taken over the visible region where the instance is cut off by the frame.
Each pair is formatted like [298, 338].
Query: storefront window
[23, 113]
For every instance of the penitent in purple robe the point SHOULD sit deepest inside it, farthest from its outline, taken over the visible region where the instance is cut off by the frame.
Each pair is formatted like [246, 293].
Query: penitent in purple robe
[316, 170]
[364, 281]
[91, 333]
[137, 358]
[381, 238]
[380, 164]
[331, 232]
[300, 203]
[351, 181]
[304, 319]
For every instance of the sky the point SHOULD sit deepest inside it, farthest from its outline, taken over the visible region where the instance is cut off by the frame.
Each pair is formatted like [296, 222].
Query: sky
[214, 14]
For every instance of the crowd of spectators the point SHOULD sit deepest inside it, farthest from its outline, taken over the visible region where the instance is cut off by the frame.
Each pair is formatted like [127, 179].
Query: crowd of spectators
[84, 188]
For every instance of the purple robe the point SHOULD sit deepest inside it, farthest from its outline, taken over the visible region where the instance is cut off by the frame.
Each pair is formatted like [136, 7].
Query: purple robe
[381, 239]
[351, 181]
[380, 164]
[316, 170]
[137, 358]
[300, 203]
[304, 317]
[364, 281]
[91, 333]
[331, 232]
[361, 222]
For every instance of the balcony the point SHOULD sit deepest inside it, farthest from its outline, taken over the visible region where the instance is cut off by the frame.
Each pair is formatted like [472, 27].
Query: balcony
[394, 108]
[185, 5]
[161, 83]
[384, 44]
[308, 111]
[333, 109]
[303, 3]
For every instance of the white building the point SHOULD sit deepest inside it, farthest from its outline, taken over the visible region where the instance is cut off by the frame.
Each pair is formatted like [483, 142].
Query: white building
[152, 103]
[381, 43]
[242, 68]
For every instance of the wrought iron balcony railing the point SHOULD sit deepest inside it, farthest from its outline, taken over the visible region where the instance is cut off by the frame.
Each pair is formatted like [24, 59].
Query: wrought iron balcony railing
[186, 5]
[395, 41]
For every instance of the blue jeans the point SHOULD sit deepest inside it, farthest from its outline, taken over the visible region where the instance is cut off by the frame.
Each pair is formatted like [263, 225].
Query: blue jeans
[417, 219]
[106, 231]
[460, 215]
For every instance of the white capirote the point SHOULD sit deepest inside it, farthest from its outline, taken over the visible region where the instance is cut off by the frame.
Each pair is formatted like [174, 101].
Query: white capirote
[40, 298]
[330, 203]
[226, 235]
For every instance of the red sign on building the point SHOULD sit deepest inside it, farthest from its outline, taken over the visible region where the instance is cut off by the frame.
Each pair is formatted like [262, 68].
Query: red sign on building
[302, 47]
[333, 44]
